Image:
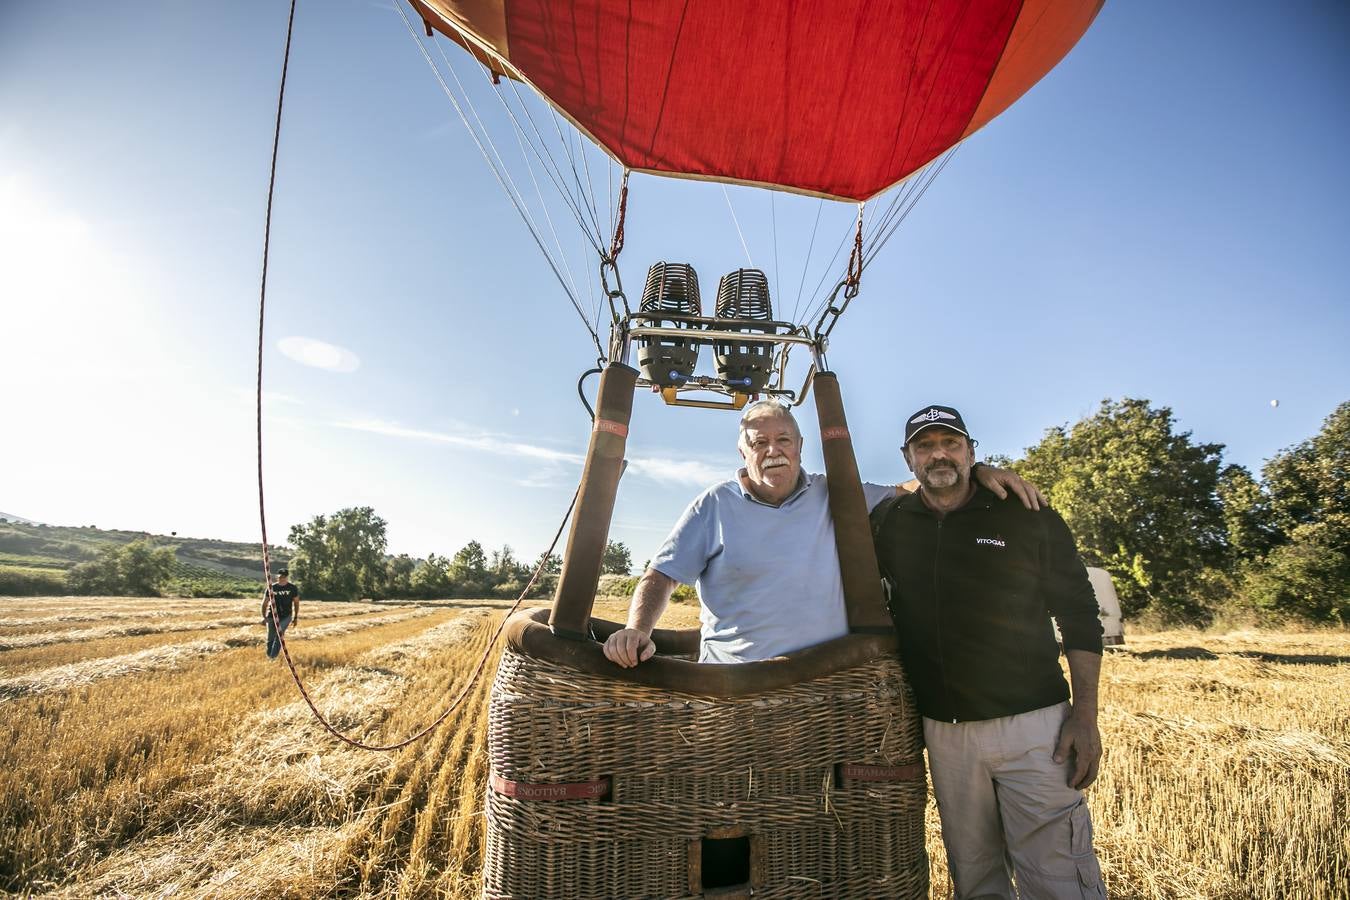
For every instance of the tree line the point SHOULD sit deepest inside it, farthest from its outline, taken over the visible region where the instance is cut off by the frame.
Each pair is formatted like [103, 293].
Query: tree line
[1187, 538]
[342, 556]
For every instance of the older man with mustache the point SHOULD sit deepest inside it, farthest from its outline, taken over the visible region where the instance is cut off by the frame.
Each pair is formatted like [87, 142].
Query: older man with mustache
[974, 583]
[761, 550]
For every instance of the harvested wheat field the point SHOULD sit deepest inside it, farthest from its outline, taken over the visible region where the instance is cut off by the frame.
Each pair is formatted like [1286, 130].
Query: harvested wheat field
[153, 751]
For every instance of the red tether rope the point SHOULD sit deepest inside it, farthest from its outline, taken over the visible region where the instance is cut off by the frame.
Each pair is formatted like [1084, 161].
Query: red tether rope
[262, 308]
[262, 504]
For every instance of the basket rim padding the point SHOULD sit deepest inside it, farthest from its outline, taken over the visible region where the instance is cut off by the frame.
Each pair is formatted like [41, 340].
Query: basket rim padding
[528, 633]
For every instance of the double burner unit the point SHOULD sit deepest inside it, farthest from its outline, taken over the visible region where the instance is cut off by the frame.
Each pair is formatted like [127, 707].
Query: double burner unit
[750, 347]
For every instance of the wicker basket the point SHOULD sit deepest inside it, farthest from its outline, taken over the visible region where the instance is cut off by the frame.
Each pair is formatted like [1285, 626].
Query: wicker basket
[603, 788]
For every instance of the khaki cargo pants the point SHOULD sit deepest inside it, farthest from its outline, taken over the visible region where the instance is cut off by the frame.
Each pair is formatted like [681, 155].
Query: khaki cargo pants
[1006, 809]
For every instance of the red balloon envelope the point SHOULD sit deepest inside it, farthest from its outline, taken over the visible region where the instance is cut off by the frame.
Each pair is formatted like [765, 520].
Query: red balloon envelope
[838, 98]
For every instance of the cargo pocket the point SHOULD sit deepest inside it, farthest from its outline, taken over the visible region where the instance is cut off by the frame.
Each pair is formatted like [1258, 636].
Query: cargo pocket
[1080, 848]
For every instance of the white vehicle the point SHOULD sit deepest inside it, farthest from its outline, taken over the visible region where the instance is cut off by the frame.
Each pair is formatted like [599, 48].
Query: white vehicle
[1108, 609]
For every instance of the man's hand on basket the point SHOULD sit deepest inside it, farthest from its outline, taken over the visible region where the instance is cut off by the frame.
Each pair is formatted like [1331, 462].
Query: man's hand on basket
[627, 647]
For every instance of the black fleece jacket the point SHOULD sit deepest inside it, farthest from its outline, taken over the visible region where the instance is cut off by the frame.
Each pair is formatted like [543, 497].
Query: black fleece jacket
[972, 594]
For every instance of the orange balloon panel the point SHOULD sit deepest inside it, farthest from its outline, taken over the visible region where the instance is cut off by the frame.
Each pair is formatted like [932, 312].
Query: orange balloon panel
[840, 98]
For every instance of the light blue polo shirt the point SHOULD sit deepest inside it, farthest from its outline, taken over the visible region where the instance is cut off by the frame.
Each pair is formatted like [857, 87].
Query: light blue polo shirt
[767, 576]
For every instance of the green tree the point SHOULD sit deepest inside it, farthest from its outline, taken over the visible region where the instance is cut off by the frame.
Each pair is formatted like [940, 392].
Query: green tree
[340, 556]
[506, 574]
[551, 563]
[1309, 483]
[617, 559]
[1142, 501]
[136, 569]
[432, 578]
[1307, 573]
[469, 570]
[550, 567]
[1307, 578]
[144, 567]
[1246, 514]
[398, 575]
[505, 566]
[98, 575]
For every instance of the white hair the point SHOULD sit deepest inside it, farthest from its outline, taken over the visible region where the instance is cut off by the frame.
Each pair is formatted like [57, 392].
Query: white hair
[765, 409]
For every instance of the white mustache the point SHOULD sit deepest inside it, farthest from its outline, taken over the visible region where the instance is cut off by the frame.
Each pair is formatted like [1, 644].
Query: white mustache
[774, 463]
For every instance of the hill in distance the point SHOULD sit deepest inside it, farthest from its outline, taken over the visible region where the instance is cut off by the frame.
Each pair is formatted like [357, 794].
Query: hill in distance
[204, 565]
[18, 520]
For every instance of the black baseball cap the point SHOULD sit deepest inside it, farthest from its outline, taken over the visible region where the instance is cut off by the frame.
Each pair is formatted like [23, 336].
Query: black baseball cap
[934, 415]
[283, 571]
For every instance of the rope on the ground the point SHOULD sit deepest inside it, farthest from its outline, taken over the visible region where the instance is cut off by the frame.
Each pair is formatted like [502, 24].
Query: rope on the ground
[270, 609]
[468, 684]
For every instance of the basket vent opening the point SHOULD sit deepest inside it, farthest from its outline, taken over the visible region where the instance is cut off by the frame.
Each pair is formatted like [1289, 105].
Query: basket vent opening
[726, 862]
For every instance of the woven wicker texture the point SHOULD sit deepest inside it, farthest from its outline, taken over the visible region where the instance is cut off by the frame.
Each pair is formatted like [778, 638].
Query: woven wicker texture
[764, 765]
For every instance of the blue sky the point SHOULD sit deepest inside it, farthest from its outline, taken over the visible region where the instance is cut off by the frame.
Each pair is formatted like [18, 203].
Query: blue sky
[1165, 216]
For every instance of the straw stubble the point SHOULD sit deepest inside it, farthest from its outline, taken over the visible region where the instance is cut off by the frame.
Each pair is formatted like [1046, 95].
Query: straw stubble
[1226, 775]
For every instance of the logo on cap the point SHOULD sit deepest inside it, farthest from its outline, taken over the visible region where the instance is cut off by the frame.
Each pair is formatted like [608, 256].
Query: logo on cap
[933, 415]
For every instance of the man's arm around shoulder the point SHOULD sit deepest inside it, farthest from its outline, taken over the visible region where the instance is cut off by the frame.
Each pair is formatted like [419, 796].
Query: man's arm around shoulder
[632, 644]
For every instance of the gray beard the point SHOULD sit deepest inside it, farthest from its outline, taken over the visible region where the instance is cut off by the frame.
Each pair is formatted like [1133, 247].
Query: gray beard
[957, 483]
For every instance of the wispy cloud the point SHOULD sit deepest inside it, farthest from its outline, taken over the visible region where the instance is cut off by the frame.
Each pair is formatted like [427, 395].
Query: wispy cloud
[318, 354]
[679, 471]
[554, 478]
[660, 469]
[483, 442]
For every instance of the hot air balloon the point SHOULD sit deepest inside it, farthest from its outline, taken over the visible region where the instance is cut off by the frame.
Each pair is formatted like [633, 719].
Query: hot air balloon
[800, 775]
[838, 98]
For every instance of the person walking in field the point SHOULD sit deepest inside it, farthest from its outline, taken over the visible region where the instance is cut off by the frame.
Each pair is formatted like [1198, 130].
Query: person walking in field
[286, 600]
[974, 582]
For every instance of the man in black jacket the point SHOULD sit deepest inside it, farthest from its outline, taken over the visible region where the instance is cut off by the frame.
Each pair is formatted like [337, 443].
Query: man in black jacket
[974, 583]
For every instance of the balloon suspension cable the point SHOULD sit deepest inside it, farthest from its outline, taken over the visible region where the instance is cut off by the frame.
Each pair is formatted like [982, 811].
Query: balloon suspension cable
[903, 204]
[737, 222]
[270, 607]
[488, 151]
[848, 287]
[806, 261]
[883, 227]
